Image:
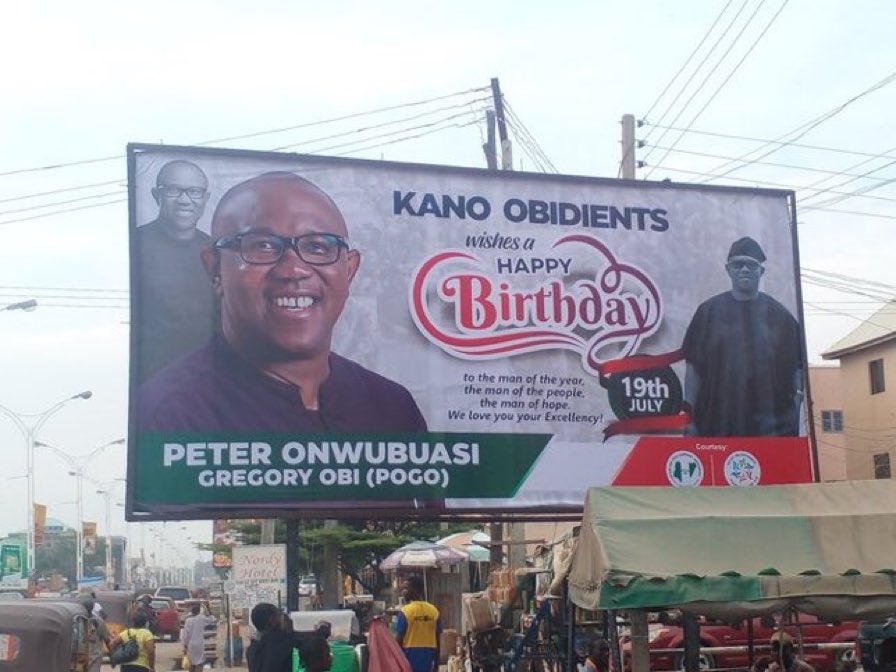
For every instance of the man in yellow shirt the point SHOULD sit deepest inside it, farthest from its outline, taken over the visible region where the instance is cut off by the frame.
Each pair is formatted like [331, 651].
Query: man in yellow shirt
[418, 627]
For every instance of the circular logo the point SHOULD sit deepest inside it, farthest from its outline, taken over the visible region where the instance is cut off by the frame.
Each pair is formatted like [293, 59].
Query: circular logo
[742, 468]
[684, 469]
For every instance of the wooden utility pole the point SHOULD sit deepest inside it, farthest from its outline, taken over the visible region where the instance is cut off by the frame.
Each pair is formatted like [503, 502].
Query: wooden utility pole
[506, 149]
[491, 151]
[628, 147]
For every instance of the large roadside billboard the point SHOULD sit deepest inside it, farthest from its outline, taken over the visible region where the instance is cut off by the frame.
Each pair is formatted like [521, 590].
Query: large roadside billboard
[320, 336]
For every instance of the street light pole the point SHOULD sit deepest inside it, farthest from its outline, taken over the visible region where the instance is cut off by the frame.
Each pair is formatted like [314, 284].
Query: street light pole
[78, 464]
[108, 496]
[29, 431]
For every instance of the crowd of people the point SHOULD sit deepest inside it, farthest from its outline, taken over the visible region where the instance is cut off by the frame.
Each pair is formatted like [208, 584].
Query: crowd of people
[415, 647]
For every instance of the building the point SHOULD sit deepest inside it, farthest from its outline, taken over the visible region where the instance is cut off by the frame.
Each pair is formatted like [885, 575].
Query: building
[868, 416]
[826, 394]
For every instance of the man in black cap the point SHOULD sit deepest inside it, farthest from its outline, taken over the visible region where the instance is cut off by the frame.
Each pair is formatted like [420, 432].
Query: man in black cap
[743, 354]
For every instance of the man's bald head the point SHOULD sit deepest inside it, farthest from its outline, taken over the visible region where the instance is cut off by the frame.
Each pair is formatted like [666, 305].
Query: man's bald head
[282, 304]
[244, 205]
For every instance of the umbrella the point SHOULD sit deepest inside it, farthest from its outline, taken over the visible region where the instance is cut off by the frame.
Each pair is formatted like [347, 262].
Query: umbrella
[468, 542]
[422, 554]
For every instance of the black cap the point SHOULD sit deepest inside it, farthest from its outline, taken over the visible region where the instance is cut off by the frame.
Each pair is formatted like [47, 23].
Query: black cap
[746, 247]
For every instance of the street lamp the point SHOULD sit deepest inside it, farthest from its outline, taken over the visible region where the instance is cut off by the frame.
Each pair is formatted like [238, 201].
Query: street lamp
[28, 306]
[29, 431]
[107, 493]
[78, 464]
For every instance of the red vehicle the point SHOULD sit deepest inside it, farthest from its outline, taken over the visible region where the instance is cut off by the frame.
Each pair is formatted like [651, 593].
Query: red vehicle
[714, 634]
[167, 623]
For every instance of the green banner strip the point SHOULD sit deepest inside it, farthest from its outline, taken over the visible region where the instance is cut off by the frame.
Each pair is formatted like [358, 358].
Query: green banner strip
[258, 468]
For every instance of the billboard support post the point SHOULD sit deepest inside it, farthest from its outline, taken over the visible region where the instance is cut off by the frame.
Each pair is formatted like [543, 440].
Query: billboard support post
[292, 564]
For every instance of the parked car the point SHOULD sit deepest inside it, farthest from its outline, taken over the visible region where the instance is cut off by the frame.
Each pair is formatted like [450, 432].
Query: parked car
[167, 622]
[715, 634]
[180, 594]
[309, 585]
[876, 645]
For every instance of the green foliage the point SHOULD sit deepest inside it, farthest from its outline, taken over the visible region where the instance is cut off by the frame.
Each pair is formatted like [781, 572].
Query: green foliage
[359, 545]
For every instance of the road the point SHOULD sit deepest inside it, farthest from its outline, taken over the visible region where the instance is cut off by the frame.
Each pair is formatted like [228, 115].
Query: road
[168, 652]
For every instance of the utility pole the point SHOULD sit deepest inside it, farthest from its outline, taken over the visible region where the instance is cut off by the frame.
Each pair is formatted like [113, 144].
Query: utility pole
[628, 147]
[491, 151]
[506, 149]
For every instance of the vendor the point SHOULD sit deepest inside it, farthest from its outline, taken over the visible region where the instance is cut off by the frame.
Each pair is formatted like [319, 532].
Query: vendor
[783, 657]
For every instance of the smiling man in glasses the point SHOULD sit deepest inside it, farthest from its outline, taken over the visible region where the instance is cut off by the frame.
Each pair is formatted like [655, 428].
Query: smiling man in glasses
[175, 301]
[743, 354]
[282, 267]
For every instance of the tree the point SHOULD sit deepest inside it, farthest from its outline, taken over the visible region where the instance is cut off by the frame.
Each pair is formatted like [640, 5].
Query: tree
[359, 545]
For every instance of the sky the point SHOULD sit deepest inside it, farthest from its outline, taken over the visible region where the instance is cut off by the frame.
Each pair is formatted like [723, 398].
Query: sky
[81, 80]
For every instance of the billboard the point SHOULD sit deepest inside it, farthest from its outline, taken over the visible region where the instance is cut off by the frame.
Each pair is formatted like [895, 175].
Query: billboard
[88, 537]
[13, 570]
[361, 338]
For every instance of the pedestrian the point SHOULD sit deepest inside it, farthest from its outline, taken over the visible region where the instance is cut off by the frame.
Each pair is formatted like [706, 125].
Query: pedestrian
[194, 638]
[784, 658]
[418, 627]
[97, 635]
[146, 658]
[314, 654]
[272, 650]
[598, 659]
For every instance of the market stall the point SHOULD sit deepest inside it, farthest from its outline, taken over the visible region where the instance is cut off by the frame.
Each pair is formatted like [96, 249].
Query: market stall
[824, 549]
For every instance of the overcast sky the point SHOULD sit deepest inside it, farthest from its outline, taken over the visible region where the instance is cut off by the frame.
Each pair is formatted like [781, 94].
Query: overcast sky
[80, 80]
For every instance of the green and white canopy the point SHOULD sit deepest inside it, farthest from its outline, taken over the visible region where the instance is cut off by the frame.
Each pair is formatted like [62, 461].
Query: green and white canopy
[824, 548]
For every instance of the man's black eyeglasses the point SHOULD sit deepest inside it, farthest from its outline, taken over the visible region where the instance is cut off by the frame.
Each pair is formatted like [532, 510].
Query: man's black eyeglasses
[172, 191]
[317, 249]
[749, 264]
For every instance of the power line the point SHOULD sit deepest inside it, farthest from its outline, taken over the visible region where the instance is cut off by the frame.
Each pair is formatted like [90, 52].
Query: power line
[777, 185]
[62, 190]
[519, 123]
[257, 133]
[62, 212]
[412, 137]
[765, 141]
[393, 133]
[460, 115]
[830, 173]
[688, 59]
[55, 203]
[694, 74]
[348, 116]
[734, 70]
[800, 131]
[364, 129]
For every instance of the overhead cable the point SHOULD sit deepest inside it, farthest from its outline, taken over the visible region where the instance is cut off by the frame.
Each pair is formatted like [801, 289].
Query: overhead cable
[791, 136]
[258, 133]
[687, 60]
[736, 67]
[694, 74]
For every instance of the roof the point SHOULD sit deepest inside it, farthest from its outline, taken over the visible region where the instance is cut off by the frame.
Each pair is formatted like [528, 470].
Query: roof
[824, 548]
[877, 329]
